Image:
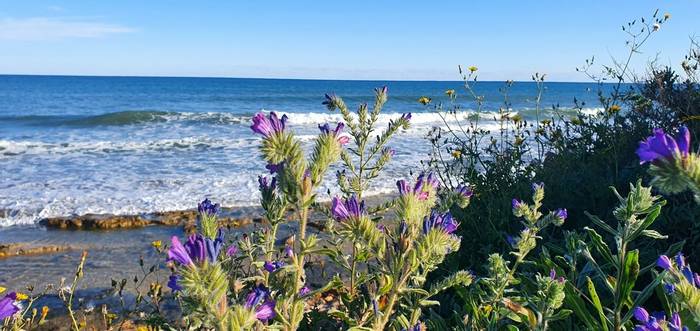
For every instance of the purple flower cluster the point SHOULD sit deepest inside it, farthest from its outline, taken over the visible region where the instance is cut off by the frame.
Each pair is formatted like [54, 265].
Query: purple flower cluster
[197, 249]
[337, 133]
[259, 299]
[662, 146]
[207, 208]
[680, 266]
[444, 222]
[421, 188]
[268, 125]
[417, 327]
[655, 321]
[8, 305]
[343, 210]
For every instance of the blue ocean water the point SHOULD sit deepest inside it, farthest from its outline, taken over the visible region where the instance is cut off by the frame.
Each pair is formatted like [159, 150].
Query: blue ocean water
[125, 145]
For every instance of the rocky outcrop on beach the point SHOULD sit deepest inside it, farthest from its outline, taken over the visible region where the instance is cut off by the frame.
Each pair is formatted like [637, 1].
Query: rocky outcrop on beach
[18, 249]
[185, 218]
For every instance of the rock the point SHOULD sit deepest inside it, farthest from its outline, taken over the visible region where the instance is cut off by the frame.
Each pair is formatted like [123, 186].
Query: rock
[17, 249]
[95, 222]
[186, 218]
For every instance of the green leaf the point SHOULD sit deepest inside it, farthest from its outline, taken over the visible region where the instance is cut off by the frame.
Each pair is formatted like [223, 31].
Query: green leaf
[596, 303]
[630, 271]
[643, 296]
[601, 224]
[600, 245]
[575, 302]
[653, 234]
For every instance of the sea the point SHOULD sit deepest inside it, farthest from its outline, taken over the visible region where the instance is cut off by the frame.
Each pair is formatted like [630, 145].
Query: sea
[73, 145]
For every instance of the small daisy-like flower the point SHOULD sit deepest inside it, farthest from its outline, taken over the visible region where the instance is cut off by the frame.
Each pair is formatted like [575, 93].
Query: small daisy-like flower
[424, 100]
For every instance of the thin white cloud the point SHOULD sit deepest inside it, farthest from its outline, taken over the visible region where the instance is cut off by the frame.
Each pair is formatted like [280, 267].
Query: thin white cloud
[46, 28]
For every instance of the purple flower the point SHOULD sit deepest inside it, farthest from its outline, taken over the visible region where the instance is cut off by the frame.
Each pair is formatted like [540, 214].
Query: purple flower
[675, 323]
[517, 204]
[231, 250]
[664, 262]
[8, 307]
[274, 168]
[267, 185]
[264, 311]
[417, 327]
[271, 266]
[207, 208]
[197, 249]
[688, 274]
[268, 126]
[421, 188]
[641, 314]
[337, 133]
[304, 291]
[697, 280]
[662, 146]
[561, 214]
[464, 191]
[537, 186]
[178, 253]
[173, 284]
[331, 101]
[344, 210]
[680, 260]
[670, 288]
[406, 117]
[444, 222]
[390, 152]
[553, 276]
[511, 241]
[382, 90]
[288, 251]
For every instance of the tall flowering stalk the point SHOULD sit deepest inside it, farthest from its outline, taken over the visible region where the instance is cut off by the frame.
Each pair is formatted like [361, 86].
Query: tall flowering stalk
[496, 296]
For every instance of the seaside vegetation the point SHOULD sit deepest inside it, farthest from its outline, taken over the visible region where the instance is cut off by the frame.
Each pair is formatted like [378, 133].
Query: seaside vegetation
[561, 223]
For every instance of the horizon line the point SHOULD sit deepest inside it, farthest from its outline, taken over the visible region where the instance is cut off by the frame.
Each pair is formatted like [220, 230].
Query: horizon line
[294, 78]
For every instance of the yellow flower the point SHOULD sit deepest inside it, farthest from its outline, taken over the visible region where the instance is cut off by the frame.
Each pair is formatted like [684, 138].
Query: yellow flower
[22, 296]
[156, 244]
[424, 100]
[142, 328]
[519, 141]
[656, 26]
[450, 92]
[546, 122]
[2, 289]
[473, 69]
[667, 16]
[456, 153]
[614, 109]
[517, 118]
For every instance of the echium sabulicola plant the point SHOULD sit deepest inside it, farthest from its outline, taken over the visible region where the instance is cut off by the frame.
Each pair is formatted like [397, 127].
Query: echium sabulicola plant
[506, 297]
[681, 284]
[291, 189]
[593, 264]
[389, 260]
[218, 292]
[674, 167]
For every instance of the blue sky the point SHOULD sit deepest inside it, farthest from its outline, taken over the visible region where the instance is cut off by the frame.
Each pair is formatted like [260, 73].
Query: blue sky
[330, 40]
